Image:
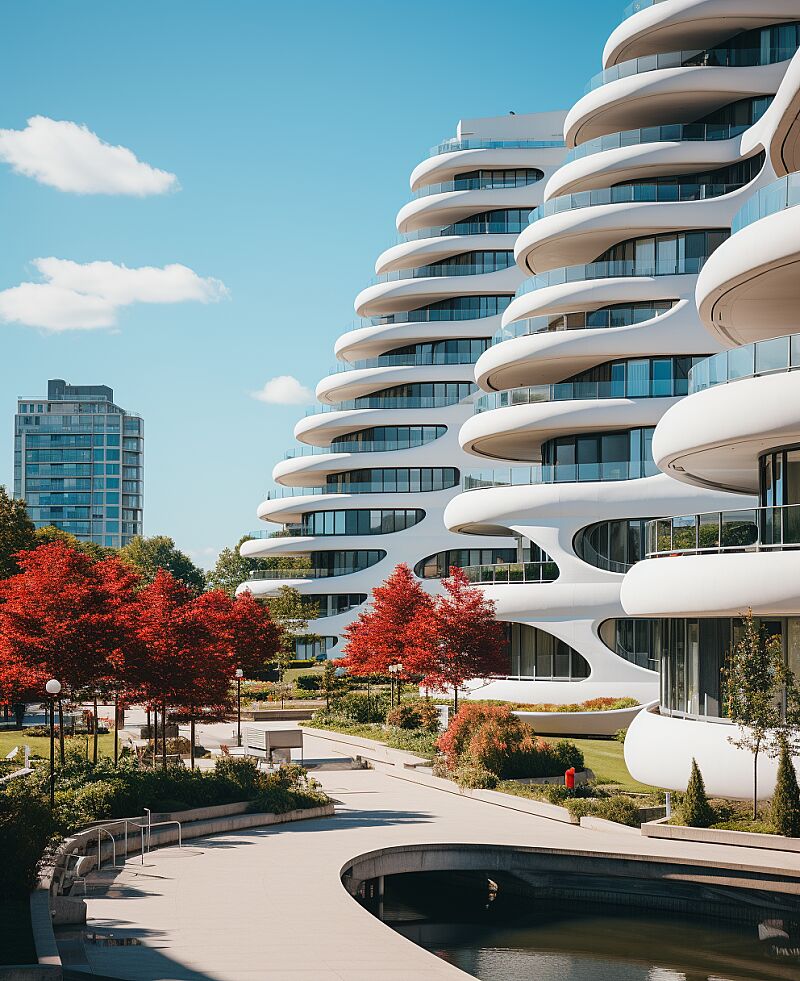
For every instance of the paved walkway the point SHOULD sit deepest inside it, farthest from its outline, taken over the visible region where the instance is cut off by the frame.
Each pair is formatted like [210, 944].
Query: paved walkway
[269, 905]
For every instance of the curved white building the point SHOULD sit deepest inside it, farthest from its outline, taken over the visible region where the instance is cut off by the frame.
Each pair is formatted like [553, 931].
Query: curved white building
[597, 345]
[737, 432]
[380, 458]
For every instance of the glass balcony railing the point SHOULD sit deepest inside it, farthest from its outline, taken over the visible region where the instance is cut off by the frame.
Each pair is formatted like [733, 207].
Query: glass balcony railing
[769, 357]
[592, 320]
[511, 572]
[355, 446]
[541, 473]
[405, 361]
[747, 530]
[382, 402]
[441, 271]
[299, 573]
[611, 270]
[674, 133]
[440, 314]
[637, 5]
[782, 194]
[455, 143]
[464, 228]
[632, 194]
[488, 183]
[721, 58]
[577, 391]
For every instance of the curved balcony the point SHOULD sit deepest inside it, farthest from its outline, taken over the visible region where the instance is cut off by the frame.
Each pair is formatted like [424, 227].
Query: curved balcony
[458, 143]
[666, 387]
[669, 133]
[456, 309]
[618, 316]
[407, 361]
[710, 58]
[387, 298]
[613, 269]
[512, 572]
[413, 437]
[444, 269]
[541, 473]
[750, 291]
[487, 180]
[488, 226]
[632, 194]
[778, 354]
[387, 402]
[743, 530]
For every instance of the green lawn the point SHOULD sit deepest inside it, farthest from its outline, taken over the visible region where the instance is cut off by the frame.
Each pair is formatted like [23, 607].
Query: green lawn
[16, 938]
[606, 759]
[40, 745]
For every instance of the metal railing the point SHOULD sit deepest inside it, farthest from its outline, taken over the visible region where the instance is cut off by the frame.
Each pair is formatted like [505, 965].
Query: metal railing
[512, 572]
[612, 269]
[747, 530]
[671, 133]
[455, 143]
[650, 388]
[581, 320]
[556, 474]
[443, 270]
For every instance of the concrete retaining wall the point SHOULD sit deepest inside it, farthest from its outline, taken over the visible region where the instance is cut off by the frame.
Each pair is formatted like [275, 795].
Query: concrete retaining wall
[713, 836]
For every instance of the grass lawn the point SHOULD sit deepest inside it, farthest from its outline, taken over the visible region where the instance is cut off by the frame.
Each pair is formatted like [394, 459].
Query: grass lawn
[40, 745]
[606, 759]
[16, 939]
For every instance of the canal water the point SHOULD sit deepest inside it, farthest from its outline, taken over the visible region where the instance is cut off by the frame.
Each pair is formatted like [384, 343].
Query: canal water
[472, 925]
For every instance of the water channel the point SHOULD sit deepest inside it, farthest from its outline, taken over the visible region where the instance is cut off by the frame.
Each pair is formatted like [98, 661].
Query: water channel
[493, 935]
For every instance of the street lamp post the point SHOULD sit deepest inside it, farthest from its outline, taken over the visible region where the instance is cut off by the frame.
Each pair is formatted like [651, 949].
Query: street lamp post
[53, 689]
[239, 676]
[395, 671]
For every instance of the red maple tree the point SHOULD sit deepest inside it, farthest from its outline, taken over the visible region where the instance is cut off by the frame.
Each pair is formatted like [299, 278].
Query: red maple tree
[254, 636]
[469, 642]
[395, 630]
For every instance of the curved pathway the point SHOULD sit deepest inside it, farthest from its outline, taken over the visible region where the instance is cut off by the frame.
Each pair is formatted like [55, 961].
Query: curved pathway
[269, 904]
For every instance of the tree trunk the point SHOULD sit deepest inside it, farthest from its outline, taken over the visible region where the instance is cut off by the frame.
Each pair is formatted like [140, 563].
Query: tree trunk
[94, 727]
[116, 729]
[164, 735]
[60, 732]
[755, 784]
[19, 713]
[191, 738]
[455, 699]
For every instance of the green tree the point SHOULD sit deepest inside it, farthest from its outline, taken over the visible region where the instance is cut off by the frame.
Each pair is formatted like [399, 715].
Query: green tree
[761, 696]
[785, 808]
[49, 534]
[16, 532]
[292, 615]
[696, 811]
[331, 684]
[232, 569]
[148, 555]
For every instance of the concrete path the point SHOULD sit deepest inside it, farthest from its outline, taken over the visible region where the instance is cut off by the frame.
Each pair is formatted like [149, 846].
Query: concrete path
[269, 905]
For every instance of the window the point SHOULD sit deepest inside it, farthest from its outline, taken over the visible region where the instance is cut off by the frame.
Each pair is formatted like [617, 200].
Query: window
[540, 656]
[359, 522]
[386, 438]
[401, 480]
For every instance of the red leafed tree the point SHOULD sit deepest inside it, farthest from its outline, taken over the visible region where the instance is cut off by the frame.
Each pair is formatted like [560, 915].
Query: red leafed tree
[169, 646]
[254, 636]
[60, 616]
[395, 630]
[469, 640]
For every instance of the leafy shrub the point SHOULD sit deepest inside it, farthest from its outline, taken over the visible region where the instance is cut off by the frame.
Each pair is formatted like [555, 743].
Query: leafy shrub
[307, 682]
[785, 808]
[474, 776]
[618, 808]
[26, 828]
[418, 714]
[696, 811]
[360, 707]
[501, 742]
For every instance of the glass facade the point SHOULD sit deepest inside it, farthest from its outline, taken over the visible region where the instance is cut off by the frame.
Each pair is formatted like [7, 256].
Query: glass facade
[456, 308]
[359, 522]
[416, 395]
[332, 604]
[437, 566]
[345, 562]
[633, 640]
[539, 656]
[79, 463]
[378, 438]
[612, 545]
[400, 480]
[623, 455]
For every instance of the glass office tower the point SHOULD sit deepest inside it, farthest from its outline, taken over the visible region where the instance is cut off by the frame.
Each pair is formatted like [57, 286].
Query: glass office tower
[79, 463]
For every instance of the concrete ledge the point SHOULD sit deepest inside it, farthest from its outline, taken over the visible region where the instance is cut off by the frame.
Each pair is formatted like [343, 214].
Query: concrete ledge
[601, 824]
[714, 836]
[406, 766]
[368, 749]
[581, 723]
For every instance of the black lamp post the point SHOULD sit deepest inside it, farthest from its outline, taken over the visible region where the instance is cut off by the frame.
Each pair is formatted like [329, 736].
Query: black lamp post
[239, 676]
[53, 689]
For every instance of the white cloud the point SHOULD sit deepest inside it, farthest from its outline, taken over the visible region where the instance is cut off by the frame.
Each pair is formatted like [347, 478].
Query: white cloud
[284, 390]
[71, 157]
[87, 296]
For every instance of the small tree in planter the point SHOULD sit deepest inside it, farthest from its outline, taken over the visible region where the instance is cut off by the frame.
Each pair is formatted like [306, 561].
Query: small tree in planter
[696, 811]
[785, 808]
[762, 697]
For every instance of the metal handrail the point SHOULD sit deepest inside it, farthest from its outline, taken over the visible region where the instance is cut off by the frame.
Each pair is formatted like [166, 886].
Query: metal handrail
[100, 832]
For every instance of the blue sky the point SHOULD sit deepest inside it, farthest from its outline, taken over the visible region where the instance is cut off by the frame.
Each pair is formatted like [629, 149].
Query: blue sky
[292, 129]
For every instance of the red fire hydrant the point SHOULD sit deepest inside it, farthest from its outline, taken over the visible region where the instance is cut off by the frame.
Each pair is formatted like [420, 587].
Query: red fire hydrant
[569, 778]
